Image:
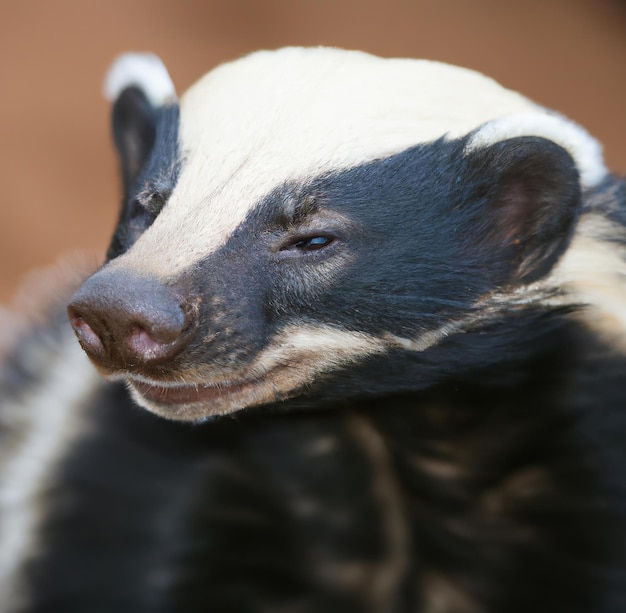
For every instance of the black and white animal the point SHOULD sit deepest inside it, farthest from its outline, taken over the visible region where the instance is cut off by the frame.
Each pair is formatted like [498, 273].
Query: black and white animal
[381, 305]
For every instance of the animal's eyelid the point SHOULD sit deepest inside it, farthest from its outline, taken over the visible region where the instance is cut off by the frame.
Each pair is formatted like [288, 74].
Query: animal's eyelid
[308, 241]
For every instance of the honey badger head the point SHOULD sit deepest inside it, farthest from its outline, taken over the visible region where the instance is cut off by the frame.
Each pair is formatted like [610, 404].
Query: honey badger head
[315, 222]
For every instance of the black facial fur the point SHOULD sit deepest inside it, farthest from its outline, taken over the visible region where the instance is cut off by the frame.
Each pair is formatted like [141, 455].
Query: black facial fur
[403, 245]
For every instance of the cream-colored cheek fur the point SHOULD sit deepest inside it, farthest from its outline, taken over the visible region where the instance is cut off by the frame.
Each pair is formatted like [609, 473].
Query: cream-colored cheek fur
[294, 359]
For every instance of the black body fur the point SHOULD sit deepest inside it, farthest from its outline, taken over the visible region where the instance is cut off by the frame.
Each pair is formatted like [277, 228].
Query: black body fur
[485, 474]
[505, 493]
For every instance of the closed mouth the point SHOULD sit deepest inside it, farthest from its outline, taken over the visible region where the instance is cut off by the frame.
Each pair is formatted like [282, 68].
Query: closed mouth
[189, 394]
[192, 402]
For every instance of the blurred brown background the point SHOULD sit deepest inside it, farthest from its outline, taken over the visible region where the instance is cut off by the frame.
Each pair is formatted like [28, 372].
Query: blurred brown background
[59, 190]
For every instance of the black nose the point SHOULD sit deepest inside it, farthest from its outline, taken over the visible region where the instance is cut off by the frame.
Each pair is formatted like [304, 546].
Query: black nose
[125, 321]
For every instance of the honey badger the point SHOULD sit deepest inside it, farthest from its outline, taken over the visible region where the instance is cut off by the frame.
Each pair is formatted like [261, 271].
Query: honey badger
[382, 307]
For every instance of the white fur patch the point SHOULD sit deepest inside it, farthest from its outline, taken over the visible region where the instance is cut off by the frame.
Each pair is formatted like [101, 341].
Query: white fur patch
[51, 410]
[594, 272]
[143, 70]
[293, 360]
[586, 150]
[325, 347]
[287, 115]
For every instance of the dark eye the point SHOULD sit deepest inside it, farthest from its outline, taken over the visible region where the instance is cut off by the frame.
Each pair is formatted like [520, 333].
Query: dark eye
[308, 243]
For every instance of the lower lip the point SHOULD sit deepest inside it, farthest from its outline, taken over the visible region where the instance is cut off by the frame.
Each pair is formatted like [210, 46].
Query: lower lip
[188, 394]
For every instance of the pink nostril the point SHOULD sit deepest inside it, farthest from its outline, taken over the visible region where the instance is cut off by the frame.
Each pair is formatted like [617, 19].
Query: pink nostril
[140, 343]
[88, 338]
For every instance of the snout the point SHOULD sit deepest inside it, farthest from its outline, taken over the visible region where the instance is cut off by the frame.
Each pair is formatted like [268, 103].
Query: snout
[127, 322]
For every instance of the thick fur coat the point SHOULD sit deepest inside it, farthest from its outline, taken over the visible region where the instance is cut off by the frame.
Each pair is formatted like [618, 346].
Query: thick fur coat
[376, 312]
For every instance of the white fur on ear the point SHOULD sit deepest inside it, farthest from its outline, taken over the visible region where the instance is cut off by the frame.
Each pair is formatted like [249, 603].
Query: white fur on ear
[144, 70]
[586, 150]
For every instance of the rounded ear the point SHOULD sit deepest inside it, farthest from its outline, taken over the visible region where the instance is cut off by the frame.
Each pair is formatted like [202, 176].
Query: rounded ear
[524, 197]
[138, 85]
[134, 132]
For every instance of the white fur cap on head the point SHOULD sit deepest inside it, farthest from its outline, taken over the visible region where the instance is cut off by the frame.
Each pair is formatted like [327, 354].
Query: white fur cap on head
[143, 70]
[147, 72]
